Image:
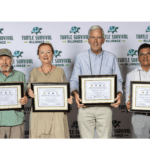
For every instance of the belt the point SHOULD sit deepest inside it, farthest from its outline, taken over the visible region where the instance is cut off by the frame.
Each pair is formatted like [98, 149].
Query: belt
[105, 105]
[147, 114]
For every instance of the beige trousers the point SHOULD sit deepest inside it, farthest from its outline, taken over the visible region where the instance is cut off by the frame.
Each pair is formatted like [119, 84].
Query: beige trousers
[13, 131]
[95, 118]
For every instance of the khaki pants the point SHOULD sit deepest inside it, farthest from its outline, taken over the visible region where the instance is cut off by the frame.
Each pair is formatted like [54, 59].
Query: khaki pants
[13, 131]
[95, 118]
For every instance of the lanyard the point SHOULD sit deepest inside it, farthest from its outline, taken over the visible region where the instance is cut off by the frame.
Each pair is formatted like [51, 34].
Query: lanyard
[91, 65]
[140, 75]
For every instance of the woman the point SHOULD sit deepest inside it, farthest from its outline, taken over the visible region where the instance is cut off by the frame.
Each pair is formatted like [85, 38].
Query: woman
[47, 124]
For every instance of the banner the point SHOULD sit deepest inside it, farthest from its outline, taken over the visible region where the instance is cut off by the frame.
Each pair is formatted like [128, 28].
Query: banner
[69, 39]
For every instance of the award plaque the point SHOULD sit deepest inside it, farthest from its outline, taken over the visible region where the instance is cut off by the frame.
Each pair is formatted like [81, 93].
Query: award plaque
[10, 95]
[140, 96]
[51, 97]
[97, 89]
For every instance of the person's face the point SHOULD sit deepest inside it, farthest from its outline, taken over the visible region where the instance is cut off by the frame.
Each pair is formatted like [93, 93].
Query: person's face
[45, 54]
[5, 63]
[96, 40]
[144, 57]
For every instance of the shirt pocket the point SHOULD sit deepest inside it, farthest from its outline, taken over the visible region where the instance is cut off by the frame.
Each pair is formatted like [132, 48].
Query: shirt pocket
[107, 70]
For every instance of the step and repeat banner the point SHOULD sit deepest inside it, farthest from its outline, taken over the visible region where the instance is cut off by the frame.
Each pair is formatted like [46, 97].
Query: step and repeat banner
[69, 39]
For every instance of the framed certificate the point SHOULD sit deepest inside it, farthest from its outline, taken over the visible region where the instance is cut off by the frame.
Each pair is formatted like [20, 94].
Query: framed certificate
[140, 96]
[97, 89]
[51, 97]
[10, 95]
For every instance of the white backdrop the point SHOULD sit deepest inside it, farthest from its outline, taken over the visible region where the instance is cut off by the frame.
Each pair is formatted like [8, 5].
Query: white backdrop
[120, 37]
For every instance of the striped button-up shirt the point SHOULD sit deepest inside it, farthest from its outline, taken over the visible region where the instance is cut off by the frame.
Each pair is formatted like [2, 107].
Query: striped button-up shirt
[103, 63]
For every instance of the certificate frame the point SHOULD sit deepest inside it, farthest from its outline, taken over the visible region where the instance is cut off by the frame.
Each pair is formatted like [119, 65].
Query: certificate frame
[133, 92]
[113, 90]
[20, 94]
[66, 94]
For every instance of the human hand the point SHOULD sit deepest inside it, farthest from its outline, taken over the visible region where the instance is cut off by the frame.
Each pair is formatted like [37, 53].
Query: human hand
[30, 93]
[78, 100]
[118, 99]
[70, 100]
[23, 100]
[128, 105]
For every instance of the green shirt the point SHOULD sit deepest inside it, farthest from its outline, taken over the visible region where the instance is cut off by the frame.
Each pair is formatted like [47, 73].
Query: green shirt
[12, 117]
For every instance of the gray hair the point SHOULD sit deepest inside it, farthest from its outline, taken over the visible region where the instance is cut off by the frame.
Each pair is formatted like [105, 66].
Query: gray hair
[95, 27]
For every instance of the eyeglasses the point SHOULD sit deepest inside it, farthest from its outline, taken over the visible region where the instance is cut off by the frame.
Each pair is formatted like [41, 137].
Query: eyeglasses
[147, 54]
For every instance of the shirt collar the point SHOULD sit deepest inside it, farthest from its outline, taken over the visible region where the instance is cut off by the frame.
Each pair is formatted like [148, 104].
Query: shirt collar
[95, 54]
[140, 69]
[11, 73]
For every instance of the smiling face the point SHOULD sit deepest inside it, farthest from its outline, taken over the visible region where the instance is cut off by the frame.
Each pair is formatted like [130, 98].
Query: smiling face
[144, 57]
[5, 63]
[96, 40]
[45, 54]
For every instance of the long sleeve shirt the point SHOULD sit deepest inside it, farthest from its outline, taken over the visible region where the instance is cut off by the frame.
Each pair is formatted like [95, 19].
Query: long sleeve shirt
[103, 63]
[137, 74]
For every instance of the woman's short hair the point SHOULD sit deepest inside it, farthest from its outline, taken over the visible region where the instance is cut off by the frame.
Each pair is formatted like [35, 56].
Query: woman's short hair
[43, 44]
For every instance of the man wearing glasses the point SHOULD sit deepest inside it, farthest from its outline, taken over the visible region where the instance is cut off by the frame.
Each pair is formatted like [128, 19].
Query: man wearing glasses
[140, 121]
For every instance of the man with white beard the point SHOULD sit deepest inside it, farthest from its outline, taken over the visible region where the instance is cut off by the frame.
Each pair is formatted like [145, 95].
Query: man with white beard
[11, 121]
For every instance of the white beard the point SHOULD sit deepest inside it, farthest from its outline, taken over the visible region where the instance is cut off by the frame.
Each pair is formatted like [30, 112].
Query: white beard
[3, 70]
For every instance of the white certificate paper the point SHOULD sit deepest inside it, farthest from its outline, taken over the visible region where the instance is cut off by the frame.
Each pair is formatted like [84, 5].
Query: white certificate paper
[97, 90]
[142, 96]
[51, 96]
[8, 96]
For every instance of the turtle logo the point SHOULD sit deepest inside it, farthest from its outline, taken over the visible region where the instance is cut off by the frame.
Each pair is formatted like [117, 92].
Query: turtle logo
[116, 123]
[112, 29]
[148, 29]
[1, 30]
[17, 54]
[57, 53]
[36, 30]
[75, 124]
[74, 29]
[132, 52]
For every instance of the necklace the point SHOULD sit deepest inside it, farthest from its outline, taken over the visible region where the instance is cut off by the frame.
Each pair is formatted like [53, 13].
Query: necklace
[48, 71]
[91, 65]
